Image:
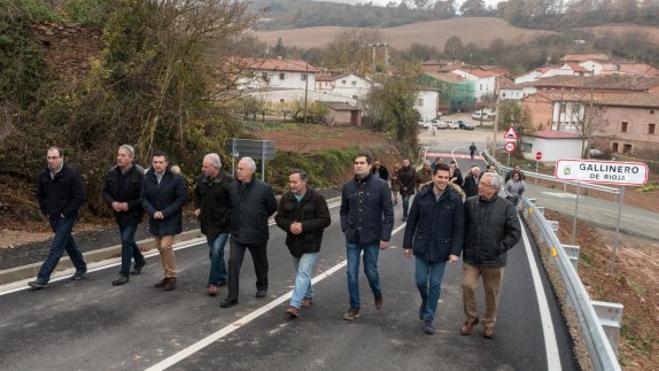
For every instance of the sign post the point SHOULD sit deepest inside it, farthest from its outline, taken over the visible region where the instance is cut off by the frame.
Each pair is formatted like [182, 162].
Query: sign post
[257, 149]
[509, 147]
[603, 172]
[510, 137]
[538, 157]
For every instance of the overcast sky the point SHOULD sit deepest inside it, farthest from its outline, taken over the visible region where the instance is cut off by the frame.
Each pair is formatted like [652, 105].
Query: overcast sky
[384, 2]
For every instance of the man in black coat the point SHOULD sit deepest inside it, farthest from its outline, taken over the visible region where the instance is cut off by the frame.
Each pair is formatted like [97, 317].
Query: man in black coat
[380, 170]
[61, 194]
[492, 228]
[121, 191]
[303, 214]
[471, 181]
[407, 183]
[367, 220]
[434, 234]
[163, 197]
[252, 202]
[212, 204]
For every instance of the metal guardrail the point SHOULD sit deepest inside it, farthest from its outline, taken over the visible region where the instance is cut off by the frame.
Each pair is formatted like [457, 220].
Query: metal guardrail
[599, 322]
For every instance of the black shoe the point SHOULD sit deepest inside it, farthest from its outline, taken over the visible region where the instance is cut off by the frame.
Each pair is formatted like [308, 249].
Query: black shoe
[78, 275]
[170, 284]
[261, 293]
[137, 269]
[161, 284]
[226, 303]
[428, 329]
[422, 310]
[37, 284]
[120, 281]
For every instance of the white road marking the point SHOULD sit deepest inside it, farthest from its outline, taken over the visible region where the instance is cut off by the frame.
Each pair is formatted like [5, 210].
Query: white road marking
[210, 339]
[548, 332]
[560, 194]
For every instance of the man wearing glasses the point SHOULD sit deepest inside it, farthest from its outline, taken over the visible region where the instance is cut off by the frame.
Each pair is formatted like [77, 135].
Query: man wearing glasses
[367, 219]
[492, 228]
[61, 194]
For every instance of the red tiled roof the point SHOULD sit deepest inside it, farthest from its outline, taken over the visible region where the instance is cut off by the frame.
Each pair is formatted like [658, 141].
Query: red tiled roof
[446, 76]
[635, 99]
[551, 134]
[641, 69]
[480, 73]
[601, 82]
[584, 57]
[275, 64]
[577, 67]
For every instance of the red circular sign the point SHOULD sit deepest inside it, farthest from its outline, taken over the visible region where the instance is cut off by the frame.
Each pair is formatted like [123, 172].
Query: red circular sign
[538, 155]
[509, 147]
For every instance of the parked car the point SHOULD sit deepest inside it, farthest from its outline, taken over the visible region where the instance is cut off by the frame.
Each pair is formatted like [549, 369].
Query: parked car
[465, 125]
[453, 125]
[425, 125]
[441, 125]
[484, 114]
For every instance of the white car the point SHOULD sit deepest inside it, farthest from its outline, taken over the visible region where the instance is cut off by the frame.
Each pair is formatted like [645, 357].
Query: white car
[426, 125]
[453, 125]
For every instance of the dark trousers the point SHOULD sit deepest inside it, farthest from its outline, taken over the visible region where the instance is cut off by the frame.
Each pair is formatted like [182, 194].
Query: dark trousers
[129, 249]
[63, 241]
[236, 256]
[406, 204]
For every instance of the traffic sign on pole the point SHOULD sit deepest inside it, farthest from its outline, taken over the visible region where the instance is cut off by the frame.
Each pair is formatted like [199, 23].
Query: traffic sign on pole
[510, 135]
[509, 147]
[604, 172]
[538, 156]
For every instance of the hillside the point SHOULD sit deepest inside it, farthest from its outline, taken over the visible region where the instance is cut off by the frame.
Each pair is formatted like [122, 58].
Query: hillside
[434, 33]
[600, 31]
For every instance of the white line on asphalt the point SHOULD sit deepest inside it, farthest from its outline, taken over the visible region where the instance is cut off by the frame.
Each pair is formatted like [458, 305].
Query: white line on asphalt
[62, 275]
[551, 347]
[210, 339]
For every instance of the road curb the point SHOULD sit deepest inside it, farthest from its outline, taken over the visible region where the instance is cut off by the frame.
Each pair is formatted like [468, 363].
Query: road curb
[30, 270]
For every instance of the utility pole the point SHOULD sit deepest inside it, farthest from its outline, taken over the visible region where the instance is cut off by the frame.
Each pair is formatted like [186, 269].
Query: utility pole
[496, 119]
[306, 91]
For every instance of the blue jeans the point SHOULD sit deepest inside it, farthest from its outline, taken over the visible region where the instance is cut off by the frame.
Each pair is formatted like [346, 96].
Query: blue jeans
[218, 271]
[371, 254]
[304, 266]
[61, 241]
[129, 249]
[429, 282]
[406, 204]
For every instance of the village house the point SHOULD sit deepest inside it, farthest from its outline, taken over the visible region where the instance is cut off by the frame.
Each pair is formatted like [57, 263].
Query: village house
[426, 103]
[485, 80]
[277, 73]
[350, 85]
[554, 145]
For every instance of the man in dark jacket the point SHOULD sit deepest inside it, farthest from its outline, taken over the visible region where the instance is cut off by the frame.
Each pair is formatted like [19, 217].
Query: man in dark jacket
[407, 182]
[434, 233]
[303, 214]
[471, 181]
[367, 220]
[61, 194]
[455, 174]
[472, 150]
[380, 170]
[492, 228]
[123, 185]
[212, 204]
[252, 202]
[163, 197]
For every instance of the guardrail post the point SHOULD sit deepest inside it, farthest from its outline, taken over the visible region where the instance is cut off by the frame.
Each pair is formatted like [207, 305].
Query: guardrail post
[553, 224]
[572, 251]
[540, 209]
[610, 316]
[532, 200]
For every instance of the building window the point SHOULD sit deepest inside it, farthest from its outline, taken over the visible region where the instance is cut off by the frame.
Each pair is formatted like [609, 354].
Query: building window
[264, 75]
[627, 149]
[354, 83]
[503, 95]
[282, 76]
[652, 128]
[614, 147]
[419, 102]
[527, 147]
[344, 82]
[304, 77]
[624, 127]
[281, 100]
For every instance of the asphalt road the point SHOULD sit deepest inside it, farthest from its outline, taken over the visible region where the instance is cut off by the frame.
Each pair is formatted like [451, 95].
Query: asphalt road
[90, 325]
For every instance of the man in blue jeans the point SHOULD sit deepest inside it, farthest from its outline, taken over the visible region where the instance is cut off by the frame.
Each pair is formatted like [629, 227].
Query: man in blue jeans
[61, 194]
[303, 214]
[367, 219]
[213, 208]
[121, 191]
[434, 234]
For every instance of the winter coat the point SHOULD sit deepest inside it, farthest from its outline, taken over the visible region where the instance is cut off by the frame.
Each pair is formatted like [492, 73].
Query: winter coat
[312, 212]
[514, 190]
[213, 199]
[251, 205]
[382, 172]
[367, 213]
[63, 194]
[435, 228]
[471, 185]
[422, 178]
[127, 187]
[168, 197]
[407, 180]
[492, 228]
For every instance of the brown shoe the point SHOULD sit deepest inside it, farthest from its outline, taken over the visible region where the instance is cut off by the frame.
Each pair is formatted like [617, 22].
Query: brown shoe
[170, 284]
[488, 332]
[351, 314]
[378, 302]
[212, 290]
[468, 327]
[306, 302]
[160, 284]
[292, 311]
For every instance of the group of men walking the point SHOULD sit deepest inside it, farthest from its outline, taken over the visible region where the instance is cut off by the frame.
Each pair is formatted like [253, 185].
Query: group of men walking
[441, 226]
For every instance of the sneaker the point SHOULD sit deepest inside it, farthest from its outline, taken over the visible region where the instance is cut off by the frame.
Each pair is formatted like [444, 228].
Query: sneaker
[261, 293]
[428, 328]
[170, 284]
[212, 289]
[160, 284]
[37, 284]
[378, 302]
[468, 327]
[292, 311]
[120, 281]
[306, 302]
[351, 314]
[488, 332]
[78, 275]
